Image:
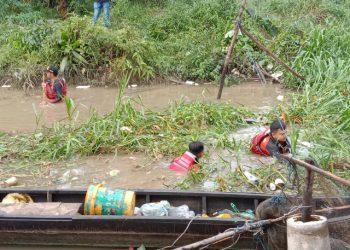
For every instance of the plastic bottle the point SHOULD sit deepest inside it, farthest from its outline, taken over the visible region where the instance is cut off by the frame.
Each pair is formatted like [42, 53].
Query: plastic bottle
[181, 211]
[155, 209]
[252, 178]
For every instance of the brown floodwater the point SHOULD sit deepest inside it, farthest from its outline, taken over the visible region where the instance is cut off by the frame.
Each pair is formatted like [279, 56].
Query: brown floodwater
[133, 170]
[120, 170]
[23, 113]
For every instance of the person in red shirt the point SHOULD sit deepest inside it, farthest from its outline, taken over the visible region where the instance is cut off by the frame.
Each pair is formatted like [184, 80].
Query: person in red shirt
[273, 141]
[55, 88]
[189, 160]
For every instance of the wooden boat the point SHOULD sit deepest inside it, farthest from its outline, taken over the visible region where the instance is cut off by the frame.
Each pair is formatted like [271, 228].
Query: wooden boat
[153, 232]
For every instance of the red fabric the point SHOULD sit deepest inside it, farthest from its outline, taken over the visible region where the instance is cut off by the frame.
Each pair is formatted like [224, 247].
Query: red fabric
[49, 89]
[259, 143]
[183, 163]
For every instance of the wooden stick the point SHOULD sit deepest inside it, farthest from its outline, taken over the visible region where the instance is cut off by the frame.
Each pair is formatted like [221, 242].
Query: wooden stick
[268, 52]
[230, 49]
[307, 197]
[332, 209]
[234, 231]
[317, 170]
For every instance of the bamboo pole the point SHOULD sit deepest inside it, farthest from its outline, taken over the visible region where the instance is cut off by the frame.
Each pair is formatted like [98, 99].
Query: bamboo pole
[230, 49]
[317, 170]
[268, 52]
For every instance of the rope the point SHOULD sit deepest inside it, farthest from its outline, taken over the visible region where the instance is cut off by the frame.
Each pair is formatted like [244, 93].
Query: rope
[258, 238]
[279, 199]
[233, 243]
[183, 233]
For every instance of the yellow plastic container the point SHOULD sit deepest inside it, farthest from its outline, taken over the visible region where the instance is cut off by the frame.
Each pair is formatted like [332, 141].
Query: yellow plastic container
[103, 201]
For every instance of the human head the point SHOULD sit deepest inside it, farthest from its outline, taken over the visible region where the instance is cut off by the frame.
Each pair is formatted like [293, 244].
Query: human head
[278, 130]
[196, 148]
[51, 72]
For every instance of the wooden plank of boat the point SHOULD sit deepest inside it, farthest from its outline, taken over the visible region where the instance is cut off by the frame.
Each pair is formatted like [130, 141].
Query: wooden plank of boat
[154, 232]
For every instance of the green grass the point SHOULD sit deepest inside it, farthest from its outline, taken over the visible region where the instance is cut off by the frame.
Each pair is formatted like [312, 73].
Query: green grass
[155, 133]
[185, 39]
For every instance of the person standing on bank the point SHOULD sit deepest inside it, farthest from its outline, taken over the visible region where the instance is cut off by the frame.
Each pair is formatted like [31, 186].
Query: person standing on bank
[98, 6]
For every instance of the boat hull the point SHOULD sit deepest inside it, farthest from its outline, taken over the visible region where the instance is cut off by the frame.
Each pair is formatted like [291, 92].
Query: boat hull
[153, 232]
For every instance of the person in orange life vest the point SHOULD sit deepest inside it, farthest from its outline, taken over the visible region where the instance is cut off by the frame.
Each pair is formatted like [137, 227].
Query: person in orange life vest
[273, 141]
[189, 160]
[54, 88]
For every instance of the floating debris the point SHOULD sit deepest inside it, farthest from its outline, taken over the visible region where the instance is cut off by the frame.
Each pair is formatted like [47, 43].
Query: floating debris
[114, 172]
[280, 98]
[306, 144]
[38, 136]
[71, 174]
[209, 185]
[233, 165]
[277, 75]
[279, 183]
[126, 129]
[13, 181]
[272, 186]
[83, 87]
[189, 82]
[252, 178]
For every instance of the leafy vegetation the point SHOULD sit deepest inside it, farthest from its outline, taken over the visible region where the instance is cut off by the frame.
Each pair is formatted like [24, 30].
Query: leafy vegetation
[186, 39]
[156, 133]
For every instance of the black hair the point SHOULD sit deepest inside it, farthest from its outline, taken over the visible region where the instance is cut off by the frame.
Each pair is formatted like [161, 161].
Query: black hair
[276, 125]
[53, 69]
[196, 147]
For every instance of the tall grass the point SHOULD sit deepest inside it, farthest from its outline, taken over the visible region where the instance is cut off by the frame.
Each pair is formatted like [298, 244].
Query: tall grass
[155, 133]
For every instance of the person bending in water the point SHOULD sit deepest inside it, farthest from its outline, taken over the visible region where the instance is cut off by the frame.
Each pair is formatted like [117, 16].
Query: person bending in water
[54, 89]
[189, 160]
[273, 141]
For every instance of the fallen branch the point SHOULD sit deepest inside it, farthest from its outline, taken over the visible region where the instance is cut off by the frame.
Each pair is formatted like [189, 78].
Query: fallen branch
[230, 49]
[268, 52]
[234, 231]
[317, 170]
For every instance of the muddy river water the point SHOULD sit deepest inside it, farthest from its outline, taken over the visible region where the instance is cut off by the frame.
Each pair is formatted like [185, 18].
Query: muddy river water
[17, 115]
[18, 112]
